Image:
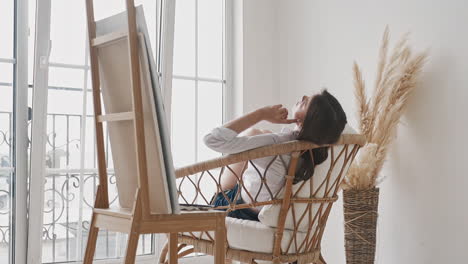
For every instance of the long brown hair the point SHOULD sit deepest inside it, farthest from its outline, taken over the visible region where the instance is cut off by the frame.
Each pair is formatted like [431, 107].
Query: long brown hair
[323, 124]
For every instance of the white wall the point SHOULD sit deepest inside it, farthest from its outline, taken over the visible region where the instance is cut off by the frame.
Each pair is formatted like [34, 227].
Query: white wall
[423, 206]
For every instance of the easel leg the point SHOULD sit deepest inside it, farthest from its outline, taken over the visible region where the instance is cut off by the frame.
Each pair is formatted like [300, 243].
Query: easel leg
[132, 245]
[99, 202]
[92, 239]
[173, 248]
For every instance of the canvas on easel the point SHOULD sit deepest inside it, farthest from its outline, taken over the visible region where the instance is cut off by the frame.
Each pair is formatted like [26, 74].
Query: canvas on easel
[117, 98]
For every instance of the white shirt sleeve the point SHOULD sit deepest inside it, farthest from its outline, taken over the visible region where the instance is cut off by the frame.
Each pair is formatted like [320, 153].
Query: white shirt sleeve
[227, 141]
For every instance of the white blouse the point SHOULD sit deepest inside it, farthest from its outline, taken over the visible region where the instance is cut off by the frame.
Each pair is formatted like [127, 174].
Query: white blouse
[227, 141]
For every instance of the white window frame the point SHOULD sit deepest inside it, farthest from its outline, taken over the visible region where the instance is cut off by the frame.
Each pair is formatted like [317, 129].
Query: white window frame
[39, 123]
[167, 77]
[227, 64]
[228, 51]
[19, 169]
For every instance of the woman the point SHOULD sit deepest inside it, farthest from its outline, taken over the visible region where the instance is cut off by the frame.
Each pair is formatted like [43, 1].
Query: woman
[319, 119]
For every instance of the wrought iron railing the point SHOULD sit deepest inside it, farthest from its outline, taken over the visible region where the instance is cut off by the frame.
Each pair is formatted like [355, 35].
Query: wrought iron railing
[5, 177]
[69, 192]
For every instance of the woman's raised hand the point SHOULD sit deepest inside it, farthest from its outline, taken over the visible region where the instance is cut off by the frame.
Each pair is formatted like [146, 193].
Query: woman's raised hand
[276, 114]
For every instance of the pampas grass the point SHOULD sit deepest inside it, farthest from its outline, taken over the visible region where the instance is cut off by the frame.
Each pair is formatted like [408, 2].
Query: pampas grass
[380, 115]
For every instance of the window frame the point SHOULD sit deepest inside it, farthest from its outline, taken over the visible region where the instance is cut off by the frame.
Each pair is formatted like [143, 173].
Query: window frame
[19, 149]
[167, 77]
[18, 169]
[227, 64]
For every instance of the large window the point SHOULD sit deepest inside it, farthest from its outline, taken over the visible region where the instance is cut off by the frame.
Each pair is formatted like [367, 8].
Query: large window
[199, 88]
[199, 76]
[199, 82]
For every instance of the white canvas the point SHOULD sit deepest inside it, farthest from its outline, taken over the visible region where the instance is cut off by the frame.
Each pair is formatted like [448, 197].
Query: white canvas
[115, 82]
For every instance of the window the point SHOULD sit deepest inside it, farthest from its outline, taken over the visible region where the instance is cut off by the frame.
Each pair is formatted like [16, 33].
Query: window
[13, 134]
[199, 82]
[199, 88]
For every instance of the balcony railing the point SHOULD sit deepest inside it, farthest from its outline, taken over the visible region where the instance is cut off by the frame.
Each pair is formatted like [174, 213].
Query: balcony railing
[69, 192]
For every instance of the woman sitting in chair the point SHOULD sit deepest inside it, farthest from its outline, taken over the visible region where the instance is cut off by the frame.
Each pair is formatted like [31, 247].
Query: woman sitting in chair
[319, 119]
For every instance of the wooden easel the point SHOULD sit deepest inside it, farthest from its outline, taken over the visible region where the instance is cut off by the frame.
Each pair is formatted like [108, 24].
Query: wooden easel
[139, 219]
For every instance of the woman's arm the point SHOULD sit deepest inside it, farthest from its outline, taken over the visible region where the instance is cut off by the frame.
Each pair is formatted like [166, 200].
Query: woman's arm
[225, 139]
[276, 114]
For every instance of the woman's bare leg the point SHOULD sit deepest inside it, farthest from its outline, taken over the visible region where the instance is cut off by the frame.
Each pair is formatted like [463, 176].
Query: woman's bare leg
[230, 177]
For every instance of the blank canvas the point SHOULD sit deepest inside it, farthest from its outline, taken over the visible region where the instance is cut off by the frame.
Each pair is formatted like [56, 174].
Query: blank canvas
[115, 84]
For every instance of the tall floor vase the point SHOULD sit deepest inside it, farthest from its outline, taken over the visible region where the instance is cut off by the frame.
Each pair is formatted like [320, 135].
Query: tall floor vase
[360, 216]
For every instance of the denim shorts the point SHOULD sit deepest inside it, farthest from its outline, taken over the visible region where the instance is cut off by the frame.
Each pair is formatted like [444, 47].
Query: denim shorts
[246, 213]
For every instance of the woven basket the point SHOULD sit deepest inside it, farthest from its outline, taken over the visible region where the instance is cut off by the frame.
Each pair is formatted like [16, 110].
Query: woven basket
[360, 216]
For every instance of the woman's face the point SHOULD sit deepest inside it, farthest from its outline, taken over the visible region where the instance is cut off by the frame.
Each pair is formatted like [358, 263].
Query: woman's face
[299, 110]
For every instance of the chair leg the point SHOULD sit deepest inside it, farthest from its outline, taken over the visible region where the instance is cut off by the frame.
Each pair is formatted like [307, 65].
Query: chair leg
[132, 245]
[91, 244]
[173, 250]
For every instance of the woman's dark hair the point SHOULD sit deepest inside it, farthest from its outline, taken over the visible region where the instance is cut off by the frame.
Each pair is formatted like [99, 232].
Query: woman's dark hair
[323, 124]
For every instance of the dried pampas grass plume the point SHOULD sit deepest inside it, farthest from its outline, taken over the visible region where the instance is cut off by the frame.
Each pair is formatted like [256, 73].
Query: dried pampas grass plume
[379, 117]
[361, 97]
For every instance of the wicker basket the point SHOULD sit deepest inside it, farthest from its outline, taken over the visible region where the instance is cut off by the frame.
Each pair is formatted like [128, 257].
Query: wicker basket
[360, 215]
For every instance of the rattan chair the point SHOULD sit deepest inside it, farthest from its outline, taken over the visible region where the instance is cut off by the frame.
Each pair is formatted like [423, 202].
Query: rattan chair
[296, 215]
